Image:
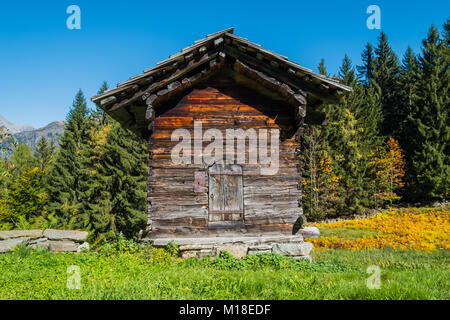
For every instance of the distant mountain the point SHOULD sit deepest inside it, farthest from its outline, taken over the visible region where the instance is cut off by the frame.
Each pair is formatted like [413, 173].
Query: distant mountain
[26, 134]
[14, 128]
[52, 131]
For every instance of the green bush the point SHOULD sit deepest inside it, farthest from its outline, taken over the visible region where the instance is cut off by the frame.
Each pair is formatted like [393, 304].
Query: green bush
[119, 246]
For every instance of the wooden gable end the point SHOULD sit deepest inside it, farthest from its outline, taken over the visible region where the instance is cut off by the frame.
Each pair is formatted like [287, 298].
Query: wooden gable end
[133, 102]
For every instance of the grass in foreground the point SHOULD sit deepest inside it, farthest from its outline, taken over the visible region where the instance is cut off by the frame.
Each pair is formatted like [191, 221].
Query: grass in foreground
[345, 233]
[156, 274]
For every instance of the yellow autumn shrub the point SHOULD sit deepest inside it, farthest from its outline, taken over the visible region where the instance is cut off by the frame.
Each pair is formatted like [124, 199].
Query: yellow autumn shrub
[412, 228]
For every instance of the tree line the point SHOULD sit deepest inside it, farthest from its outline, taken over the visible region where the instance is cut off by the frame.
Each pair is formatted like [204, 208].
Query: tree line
[384, 142]
[95, 180]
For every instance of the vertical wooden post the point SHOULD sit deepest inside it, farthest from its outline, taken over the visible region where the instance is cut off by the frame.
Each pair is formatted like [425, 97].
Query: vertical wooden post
[150, 116]
[149, 184]
[300, 114]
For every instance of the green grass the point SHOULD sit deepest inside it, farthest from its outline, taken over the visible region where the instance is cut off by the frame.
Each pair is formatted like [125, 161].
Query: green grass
[345, 233]
[155, 274]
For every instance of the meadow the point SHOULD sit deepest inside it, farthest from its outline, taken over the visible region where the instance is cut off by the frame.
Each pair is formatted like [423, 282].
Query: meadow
[126, 270]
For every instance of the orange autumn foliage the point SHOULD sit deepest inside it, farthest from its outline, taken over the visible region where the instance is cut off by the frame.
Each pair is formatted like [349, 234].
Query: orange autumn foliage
[419, 229]
[388, 167]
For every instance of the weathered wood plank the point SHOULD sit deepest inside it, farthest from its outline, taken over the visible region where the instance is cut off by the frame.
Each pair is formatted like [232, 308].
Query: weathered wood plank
[241, 193]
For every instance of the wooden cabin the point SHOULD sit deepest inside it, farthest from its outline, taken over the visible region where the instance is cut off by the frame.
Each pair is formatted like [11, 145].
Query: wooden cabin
[220, 84]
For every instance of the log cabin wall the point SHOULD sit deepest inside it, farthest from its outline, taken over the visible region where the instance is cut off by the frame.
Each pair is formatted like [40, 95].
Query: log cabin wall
[179, 207]
[156, 102]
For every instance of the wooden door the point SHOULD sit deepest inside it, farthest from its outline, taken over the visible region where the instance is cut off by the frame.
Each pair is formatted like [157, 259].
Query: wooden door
[226, 196]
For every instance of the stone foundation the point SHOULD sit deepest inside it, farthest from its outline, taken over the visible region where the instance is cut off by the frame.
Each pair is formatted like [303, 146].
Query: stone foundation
[239, 246]
[54, 240]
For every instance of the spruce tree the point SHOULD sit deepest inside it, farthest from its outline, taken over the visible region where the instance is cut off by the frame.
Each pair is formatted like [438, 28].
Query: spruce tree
[44, 153]
[115, 186]
[369, 112]
[99, 113]
[125, 165]
[385, 79]
[313, 150]
[347, 72]
[446, 33]
[352, 135]
[322, 68]
[96, 184]
[429, 168]
[367, 69]
[408, 101]
[66, 196]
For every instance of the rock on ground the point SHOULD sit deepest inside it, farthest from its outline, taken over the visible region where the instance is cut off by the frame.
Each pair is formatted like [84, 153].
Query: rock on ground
[83, 247]
[197, 253]
[63, 246]
[39, 245]
[310, 232]
[7, 245]
[32, 234]
[236, 251]
[79, 236]
[293, 249]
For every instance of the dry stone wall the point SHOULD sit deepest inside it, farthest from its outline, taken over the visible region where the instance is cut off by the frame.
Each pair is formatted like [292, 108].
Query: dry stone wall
[54, 240]
[239, 246]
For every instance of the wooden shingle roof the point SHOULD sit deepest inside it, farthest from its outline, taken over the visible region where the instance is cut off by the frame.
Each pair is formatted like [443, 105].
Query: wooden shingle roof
[128, 102]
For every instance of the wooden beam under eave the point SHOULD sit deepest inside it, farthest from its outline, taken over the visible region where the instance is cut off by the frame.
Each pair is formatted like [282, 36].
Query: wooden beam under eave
[298, 100]
[292, 81]
[155, 87]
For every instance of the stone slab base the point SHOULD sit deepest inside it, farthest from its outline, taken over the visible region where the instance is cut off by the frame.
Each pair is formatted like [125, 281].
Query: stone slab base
[239, 246]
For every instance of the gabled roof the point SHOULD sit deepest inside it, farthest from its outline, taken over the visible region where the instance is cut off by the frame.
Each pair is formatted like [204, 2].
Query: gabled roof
[127, 103]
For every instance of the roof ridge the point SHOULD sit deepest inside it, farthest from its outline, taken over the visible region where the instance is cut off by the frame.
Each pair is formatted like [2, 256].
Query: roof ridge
[226, 33]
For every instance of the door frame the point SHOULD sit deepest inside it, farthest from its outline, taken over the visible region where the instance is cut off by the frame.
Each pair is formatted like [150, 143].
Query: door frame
[226, 223]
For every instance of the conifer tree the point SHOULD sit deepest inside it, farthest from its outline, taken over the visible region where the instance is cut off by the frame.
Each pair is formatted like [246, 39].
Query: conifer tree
[99, 113]
[21, 159]
[408, 100]
[347, 72]
[66, 196]
[322, 68]
[320, 186]
[429, 167]
[96, 186]
[125, 165]
[96, 183]
[352, 135]
[27, 197]
[446, 34]
[44, 153]
[116, 184]
[385, 79]
[367, 69]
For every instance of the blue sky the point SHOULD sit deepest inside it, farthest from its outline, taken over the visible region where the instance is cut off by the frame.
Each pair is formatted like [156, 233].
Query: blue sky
[43, 64]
